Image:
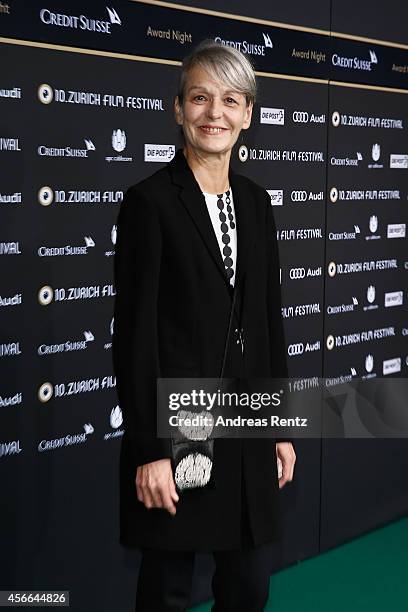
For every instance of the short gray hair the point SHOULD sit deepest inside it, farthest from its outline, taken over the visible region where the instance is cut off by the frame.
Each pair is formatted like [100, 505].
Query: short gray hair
[226, 64]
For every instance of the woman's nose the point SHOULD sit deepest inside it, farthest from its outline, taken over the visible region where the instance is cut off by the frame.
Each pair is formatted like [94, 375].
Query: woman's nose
[215, 108]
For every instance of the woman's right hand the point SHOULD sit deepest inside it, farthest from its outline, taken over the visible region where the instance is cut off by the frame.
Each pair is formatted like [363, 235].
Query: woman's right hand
[155, 485]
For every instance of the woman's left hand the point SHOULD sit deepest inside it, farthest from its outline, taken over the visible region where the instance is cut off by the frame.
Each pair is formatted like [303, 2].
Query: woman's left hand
[286, 453]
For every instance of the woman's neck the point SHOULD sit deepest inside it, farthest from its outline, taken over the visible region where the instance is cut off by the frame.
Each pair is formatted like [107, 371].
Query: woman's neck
[210, 171]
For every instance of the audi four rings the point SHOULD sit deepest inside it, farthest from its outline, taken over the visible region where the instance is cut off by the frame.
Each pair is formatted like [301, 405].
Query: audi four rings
[296, 349]
[295, 273]
[298, 196]
[300, 116]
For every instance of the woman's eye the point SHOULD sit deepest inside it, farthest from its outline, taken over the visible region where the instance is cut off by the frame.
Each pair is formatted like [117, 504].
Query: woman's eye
[199, 98]
[230, 101]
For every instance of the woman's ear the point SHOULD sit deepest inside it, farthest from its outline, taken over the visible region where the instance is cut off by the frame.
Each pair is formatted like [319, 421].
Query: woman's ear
[178, 111]
[248, 116]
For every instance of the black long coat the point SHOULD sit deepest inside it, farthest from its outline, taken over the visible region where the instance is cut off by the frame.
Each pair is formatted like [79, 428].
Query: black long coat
[171, 314]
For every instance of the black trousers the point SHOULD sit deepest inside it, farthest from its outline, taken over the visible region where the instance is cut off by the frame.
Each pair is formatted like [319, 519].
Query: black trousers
[240, 582]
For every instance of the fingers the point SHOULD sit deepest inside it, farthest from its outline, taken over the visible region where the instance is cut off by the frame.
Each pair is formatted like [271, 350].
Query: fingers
[285, 478]
[139, 488]
[168, 502]
[155, 486]
[142, 489]
[288, 457]
[287, 473]
[172, 489]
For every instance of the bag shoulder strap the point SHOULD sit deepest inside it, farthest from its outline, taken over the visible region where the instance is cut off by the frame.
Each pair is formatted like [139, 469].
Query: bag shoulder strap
[228, 332]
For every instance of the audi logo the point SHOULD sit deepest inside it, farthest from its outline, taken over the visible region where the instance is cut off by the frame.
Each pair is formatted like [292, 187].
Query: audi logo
[300, 116]
[296, 349]
[297, 273]
[298, 196]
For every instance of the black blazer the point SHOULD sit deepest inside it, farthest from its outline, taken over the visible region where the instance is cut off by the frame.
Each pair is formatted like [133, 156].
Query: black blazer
[171, 314]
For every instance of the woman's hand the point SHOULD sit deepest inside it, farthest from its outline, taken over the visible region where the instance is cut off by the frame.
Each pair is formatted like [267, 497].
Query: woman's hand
[155, 485]
[286, 453]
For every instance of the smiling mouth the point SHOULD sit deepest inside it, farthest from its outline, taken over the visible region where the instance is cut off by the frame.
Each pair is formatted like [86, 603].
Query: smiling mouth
[212, 130]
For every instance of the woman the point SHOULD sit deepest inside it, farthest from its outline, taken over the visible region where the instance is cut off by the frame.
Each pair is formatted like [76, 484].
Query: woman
[186, 237]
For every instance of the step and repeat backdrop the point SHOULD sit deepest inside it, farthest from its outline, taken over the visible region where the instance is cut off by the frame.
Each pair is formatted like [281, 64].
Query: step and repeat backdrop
[86, 110]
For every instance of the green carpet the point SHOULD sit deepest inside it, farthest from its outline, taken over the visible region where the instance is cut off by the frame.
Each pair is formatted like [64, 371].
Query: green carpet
[368, 574]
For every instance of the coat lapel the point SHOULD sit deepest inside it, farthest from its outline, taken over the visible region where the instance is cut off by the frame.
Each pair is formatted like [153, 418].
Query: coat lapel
[194, 201]
[246, 229]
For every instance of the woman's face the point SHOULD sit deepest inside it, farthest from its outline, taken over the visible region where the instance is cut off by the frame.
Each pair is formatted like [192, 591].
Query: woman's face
[212, 114]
